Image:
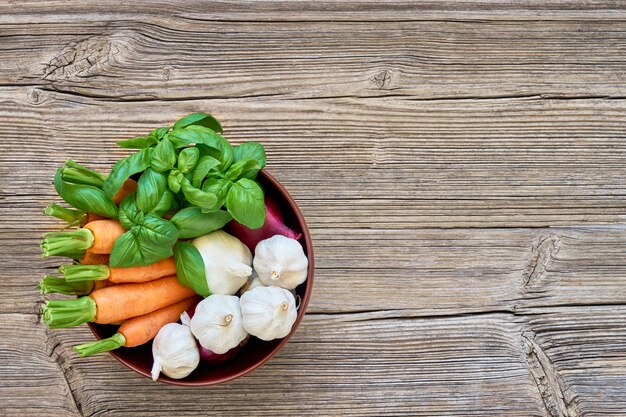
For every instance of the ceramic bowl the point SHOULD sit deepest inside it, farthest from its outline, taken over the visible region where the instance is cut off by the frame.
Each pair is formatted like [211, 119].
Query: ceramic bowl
[255, 352]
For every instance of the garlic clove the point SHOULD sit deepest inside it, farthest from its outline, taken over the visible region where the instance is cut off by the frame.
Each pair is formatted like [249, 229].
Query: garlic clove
[218, 324]
[227, 261]
[281, 261]
[268, 312]
[174, 351]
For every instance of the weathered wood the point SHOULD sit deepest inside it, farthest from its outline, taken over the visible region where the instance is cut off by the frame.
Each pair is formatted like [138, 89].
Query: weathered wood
[432, 146]
[375, 162]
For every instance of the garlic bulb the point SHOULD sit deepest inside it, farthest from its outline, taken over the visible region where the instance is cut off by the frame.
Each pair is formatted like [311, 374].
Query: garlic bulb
[253, 282]
[280, 261]
[268, 312]
[227, 261]
[174, 350]
[217, 323]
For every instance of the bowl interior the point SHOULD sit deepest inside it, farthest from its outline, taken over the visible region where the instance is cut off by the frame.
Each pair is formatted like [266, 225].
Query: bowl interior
[255, 352]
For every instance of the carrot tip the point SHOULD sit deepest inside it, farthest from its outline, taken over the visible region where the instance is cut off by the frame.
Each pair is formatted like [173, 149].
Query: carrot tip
[51, 284]
[69, 243]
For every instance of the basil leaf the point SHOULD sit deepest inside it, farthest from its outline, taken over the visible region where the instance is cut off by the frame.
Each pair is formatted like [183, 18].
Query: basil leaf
[132, 249]
[187, 159]
[204, 165]
[245, 203]
[150, 188]
[191, 222]
[163, 157]
[159, 133]
[245, 168]
[85, 197]
[251, 150]
[140, 142]
[174, 179]
[200, 119]
[124, 168]
[198, 197]
[218, 186]
[158, 231]
[129, 214]
[190, 269]
[220, 149]
[166, 202]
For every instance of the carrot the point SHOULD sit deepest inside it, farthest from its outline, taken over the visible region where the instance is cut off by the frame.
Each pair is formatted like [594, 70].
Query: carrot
[137, 330]
[101, 284]
[96, 237]
[90, 258]
[129, 186]
[104, 234]
[160, 269]
[118, 302]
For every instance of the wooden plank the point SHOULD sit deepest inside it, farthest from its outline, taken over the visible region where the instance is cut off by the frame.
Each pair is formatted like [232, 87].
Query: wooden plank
[113, 56]
[423, 272]
[585, 351]
[31, 376]
[383, 163]
[342, 365]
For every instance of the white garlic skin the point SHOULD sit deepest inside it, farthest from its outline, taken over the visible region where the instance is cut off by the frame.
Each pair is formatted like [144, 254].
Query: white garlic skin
[268, 312]
[175, 351]
[218, 323]
[281, 261]
[227, 261]
[253, 282]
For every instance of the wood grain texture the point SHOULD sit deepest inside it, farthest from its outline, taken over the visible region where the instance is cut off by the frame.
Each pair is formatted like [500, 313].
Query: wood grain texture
[460, 164]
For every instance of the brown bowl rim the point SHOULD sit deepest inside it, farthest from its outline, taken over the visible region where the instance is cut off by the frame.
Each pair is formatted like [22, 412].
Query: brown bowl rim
[303, 306]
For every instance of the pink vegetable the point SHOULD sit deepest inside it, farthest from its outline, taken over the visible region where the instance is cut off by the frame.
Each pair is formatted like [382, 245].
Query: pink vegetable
[211, 358]
[273, 226]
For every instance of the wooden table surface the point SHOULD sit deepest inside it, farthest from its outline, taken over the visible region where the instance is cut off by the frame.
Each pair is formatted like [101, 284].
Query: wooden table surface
[461, 166]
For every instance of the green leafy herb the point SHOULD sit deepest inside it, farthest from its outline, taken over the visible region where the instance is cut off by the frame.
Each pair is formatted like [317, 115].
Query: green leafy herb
[166, 202]
[150, 188]
[129, 214]
[198, 197]
[245, 203]
[190, 269]
[144, 244]
[218, 186]
[250, 150]
[245, 168]
[204, 165]
[187, 159]
[218, 147]
[163, 157]
[140, 142]
[191, 222]
[174, 180]
[124, 168]
[200, 119]
[85, 197]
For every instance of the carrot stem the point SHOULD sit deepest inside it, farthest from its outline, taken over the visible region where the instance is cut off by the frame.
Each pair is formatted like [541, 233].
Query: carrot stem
[79, 273]
[68, 313]
[78, 174]
[72, 216]
[99, 346]
[71, 243]
[51, 284]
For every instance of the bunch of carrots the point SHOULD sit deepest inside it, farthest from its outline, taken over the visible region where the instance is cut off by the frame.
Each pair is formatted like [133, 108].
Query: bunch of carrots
[142, 298]
[123, 235]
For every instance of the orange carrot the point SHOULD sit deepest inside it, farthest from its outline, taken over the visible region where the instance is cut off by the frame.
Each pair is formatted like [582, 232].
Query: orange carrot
[91, 258]
[118, 302]
[92, 217]
[101, 284]
[160, 269]
[78, 273]
[137, 330]
[96, 237]
[129, 186]
[104, 234]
